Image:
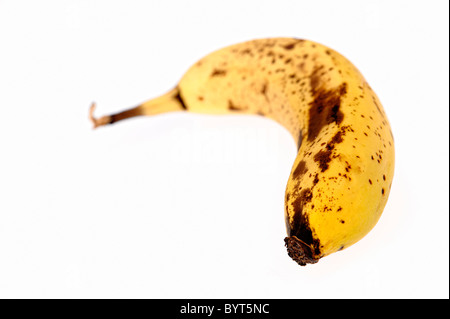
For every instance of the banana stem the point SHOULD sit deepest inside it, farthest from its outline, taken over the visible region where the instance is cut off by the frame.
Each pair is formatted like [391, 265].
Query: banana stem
[169, 102]
[110, 119]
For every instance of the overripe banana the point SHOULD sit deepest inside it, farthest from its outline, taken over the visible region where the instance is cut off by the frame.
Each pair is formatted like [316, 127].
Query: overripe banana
[341, 178]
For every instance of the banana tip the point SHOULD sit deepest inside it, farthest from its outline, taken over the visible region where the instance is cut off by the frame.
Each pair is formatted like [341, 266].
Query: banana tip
[299, 251]
[91, 115]
[96, 122]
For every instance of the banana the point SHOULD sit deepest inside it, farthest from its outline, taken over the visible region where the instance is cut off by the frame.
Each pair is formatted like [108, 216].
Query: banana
[341, 178]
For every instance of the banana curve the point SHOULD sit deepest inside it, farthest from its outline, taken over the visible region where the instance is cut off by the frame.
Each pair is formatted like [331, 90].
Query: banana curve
[341, 177]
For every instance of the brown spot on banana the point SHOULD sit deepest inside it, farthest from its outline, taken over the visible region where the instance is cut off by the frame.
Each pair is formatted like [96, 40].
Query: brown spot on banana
[264, 89]
[300, 170]
[233, 107]
[325, 107]
[218, 72]
[324, 156]
[292, 45]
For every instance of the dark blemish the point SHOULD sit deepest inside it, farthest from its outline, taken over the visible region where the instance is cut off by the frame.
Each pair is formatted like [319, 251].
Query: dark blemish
[384, 177]
[316, 180]
[288, 61]
[300, 170]
[289, 46]
[264, 89]
[300, 224]
[201, 98]
[218, 72]
[342, 221]
[264, 92]
[323, 158]
[370, 181]
[348, 167]
[233, 107]
[340, 248]
[337, 138]
[382, 191]
[306, 195]
[339, 209]
[325, 108]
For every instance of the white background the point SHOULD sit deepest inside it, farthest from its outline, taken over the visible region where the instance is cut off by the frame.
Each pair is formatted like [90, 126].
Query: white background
[191, 206]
